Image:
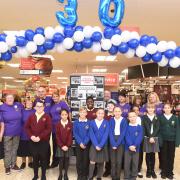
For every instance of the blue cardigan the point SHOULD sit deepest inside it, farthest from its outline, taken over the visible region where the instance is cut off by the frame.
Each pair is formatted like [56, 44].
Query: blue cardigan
[99, 137]
[81, 132]
[123, 127]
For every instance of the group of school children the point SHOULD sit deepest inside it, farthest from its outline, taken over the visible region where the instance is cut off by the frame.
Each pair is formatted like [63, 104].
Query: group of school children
[118, 139]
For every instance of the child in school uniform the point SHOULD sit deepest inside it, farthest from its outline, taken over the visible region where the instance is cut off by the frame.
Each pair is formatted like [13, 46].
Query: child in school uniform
[136, 109]
[64, 142]
[24, 149]
[117, 131]
[133, 139]
[170, 133]
[81, 135]
[1, 139]
[151, 126]
[99, 131]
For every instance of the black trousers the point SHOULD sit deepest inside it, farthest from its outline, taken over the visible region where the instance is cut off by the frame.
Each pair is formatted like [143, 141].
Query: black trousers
[39, 151]
[140, 158]
[168, 155]
[82, 161]
[55, 159]
[150, 161]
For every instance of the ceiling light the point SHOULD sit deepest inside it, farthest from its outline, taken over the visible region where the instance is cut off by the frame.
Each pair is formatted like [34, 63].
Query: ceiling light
[100, 58]
[64, 82]
[106, 58]
[19, 81]
[14, 65]
[111, 58]
[99, 70]
[57, 71]
[6, 77]
[62, 78]
[162, 77]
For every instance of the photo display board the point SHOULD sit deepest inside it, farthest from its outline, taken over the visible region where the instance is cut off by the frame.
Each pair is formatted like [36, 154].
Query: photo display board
[82, 87]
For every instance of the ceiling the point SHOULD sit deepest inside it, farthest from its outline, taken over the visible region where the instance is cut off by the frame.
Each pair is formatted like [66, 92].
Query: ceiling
[155, 17]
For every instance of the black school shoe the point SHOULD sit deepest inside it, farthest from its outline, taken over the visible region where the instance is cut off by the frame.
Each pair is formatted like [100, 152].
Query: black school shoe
[148, 174]
[140, 175]
[23, 165]
[66, 177]
[43, 178]
[154, 176]
[106, 174]
[35, 178]
[8, 171]
[170, 177]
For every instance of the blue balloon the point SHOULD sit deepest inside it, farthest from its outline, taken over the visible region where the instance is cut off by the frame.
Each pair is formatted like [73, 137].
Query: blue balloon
[87, 43]
[123, 48]
[113, 50]
[49, 44]
[157, 57]
[78, 28]
[3, 37]
[39, 30]
[96, 36]
[14, 49]
[177, 52]
[169, 53]
[144, 40]
[68, 31]
[7, 56]
[108, 32]
[41, 50]
[78, 46]
[58, 38]
[147, 57]
[117, 31]
[21, 41]
[133, 43]
[29, 34]
[104, 17]
[71, 11]
[153, 40]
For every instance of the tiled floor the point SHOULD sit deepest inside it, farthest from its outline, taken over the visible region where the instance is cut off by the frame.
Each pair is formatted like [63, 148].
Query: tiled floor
[52, 174]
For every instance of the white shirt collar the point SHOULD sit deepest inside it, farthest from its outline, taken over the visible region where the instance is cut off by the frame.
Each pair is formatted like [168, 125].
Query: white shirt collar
[151, 117]
[130, 124]
[85, 120]
[64, 123]
[38, 116]
[98, 123]
[120, 119]
[168, 116]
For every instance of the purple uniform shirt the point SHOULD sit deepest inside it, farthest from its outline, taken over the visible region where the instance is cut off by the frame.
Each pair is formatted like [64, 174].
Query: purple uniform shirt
[55, 112]
[48, 103]
[25, 115]
[125, 109]
[158, 110]
[11, 116]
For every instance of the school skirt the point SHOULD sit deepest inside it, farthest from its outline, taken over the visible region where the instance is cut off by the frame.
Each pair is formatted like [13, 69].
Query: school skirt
[151, 147]
[60, 153]
[24, 148]
[99, 156]
[1, 150]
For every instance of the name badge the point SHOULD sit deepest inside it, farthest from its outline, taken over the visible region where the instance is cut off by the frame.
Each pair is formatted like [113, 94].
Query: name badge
[43, 119]
[87, 127]
[136, 133]
[16, 108]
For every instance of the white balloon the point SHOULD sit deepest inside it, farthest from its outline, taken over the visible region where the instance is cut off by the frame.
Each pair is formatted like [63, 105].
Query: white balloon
[151, 48]
[31, 47]
[60, 48]
[23, 52]
[97, 28]
[174, 62]
[68, 43]
[87, 31]
[21, 33]
[59, 29]
[116, 40]
[39, 39]
[11, 40]
[125, 35]
[134, 35]
[96, 47]
[106, 44]
[162, 46]
[141, 51]
[49, 32]
[164, 61]
[78, 36]
[3, 47]
[130, 53]
[171, 45]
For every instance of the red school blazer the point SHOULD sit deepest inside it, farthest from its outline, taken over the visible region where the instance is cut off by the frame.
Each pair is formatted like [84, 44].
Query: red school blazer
[42, 128]
[64, 134]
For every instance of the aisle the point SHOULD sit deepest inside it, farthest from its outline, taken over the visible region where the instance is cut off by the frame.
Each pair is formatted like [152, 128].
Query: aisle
[52, 174]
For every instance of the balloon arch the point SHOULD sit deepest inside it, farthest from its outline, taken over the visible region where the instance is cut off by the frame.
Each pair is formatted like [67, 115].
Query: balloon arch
[68, 36]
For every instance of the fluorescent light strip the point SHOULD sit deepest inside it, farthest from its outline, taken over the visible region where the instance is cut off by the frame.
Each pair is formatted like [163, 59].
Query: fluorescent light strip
[99, 70]
[19, 81]
[57, 71]
[106, 58]
[15, 65]
[62, 78]
[6, 77]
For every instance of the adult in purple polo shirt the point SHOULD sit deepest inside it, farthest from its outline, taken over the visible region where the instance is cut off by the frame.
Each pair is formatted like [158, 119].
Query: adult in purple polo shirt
[10, 115]
[125, 107]
[55, 115]
[24, 150]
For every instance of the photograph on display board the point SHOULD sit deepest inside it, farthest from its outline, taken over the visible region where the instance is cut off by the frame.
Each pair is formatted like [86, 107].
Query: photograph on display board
[98, 104]
[75, 114]
[81, 94]
[75, 80]
[74, 92]
[100, 93]
[98, 80]
[75, 104]
[164, 92]
[83, 103]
